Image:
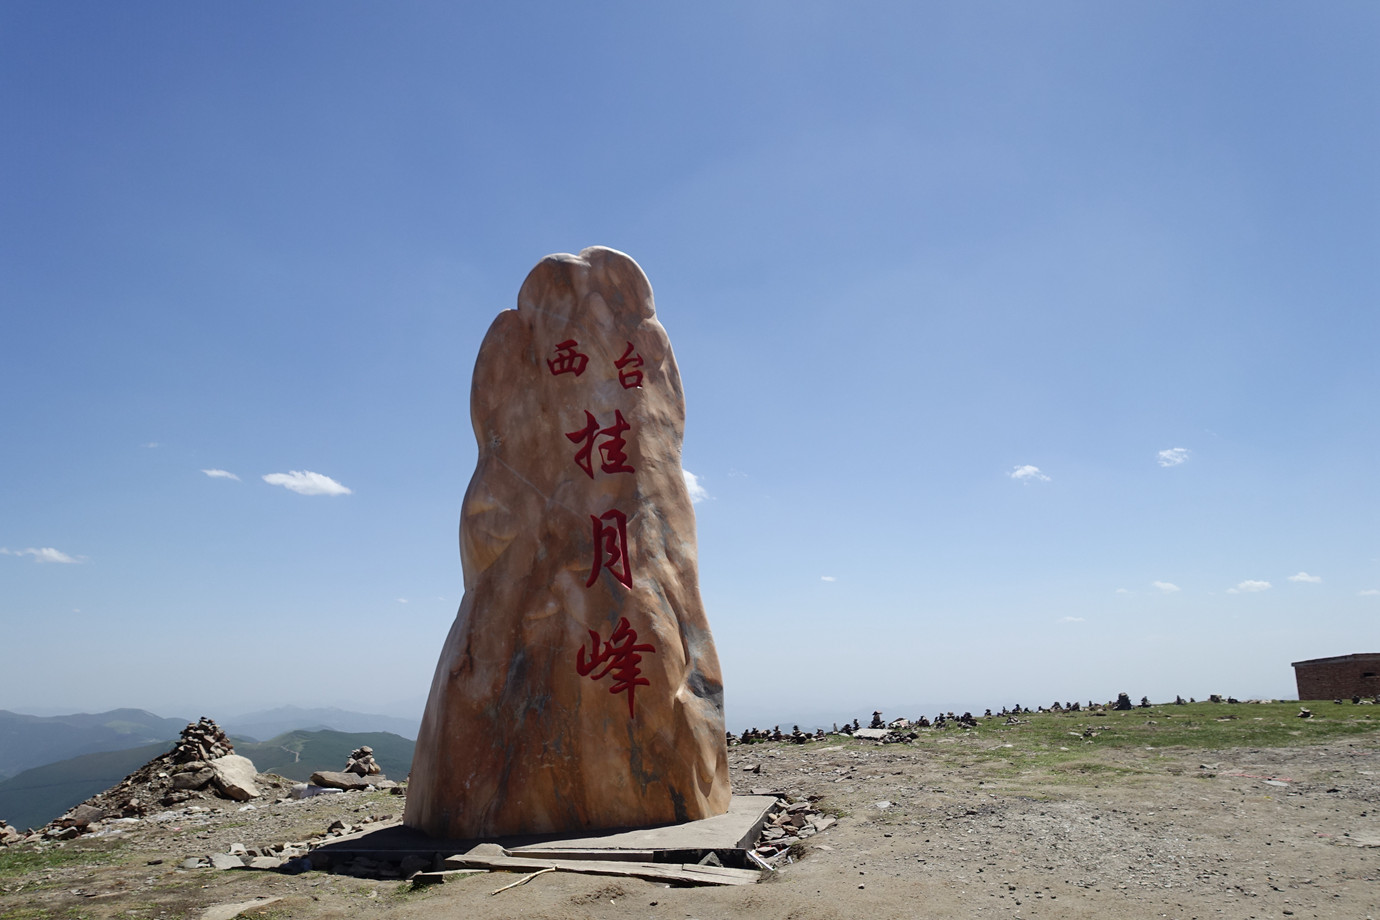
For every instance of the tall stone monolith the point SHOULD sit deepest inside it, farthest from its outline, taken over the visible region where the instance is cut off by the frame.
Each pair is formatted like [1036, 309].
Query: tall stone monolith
[579, 687]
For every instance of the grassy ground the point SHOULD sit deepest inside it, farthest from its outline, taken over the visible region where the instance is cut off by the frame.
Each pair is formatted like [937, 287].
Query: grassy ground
[1072, 746]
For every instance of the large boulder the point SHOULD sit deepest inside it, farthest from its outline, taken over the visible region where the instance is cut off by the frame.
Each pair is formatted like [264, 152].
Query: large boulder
[579, 687]
[234, 777]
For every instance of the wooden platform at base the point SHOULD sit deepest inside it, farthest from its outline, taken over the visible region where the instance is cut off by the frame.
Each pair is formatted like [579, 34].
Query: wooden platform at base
[672, 853]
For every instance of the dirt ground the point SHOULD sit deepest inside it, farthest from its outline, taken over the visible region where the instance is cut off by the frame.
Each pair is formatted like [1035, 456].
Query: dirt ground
[950, 826]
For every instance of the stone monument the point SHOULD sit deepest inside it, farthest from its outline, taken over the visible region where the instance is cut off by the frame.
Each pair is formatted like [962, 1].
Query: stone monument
[579, 687]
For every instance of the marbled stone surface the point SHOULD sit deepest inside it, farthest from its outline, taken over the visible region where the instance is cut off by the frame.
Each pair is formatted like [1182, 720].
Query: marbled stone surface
[579, 687]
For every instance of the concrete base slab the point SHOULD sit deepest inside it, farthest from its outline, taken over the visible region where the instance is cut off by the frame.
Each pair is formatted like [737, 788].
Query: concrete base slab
[737, 829]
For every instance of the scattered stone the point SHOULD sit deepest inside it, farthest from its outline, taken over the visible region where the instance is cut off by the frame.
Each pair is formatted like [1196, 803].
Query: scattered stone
[331, 780]
[226, 861]
[193, 779]
[231, 911]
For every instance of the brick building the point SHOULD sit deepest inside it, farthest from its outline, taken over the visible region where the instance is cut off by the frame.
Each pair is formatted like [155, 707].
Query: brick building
[1341, 677]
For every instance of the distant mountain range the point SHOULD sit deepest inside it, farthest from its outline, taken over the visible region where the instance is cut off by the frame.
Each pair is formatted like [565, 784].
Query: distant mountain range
[28, 741]
[36, 796]
[273, 722]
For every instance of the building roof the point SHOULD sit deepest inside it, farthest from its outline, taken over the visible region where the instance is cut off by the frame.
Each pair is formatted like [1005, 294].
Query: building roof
[1361, 656]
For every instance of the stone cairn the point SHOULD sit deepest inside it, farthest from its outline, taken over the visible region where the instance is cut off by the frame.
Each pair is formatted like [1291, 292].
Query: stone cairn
[201, 765]
[362, 762]
[201, 741]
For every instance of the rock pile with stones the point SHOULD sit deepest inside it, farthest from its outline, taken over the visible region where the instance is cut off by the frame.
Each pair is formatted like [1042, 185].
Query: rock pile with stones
[362, 762]
[201, 741]
[201, 765]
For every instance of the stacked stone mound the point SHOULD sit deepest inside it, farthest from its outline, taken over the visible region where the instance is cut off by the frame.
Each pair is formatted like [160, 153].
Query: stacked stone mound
[202, 765]
[362, 762]
[201, 741]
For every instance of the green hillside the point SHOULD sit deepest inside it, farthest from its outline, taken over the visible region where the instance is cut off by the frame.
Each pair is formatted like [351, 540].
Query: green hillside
[29, 741]
[38, 795]
[297, 755]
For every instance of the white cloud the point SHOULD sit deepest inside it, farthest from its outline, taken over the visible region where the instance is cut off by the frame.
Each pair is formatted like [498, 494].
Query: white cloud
[1250, 587]
[44, 554]
[1122, 591]
[1172, 457]
[1072, 620]
[221, 474]
[1165, 586]
[827, 578]
[1028, 472]
[1304, 576]
[305, 482]
[692, 485]
[402, 600]
[151, 445]
[1369, 592]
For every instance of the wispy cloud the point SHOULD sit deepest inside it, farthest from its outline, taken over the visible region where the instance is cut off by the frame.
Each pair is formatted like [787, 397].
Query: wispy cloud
[151, 445]
[1165, 587]
[1172, 457]
[1121, 591]
[1072, 620]
[305, 482]
[1304, 576]
[402, 600]
[1369, 592]
[827, 578]
[1027, 473]
[1250, 586]
[692, 485]
[221, 474]
[43, 554]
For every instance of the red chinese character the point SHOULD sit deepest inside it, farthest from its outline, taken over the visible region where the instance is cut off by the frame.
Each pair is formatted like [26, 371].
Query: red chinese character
[568, 360]
[611, 548]
[619, 656]
[629, 379]
[615, 459]
[587, 435]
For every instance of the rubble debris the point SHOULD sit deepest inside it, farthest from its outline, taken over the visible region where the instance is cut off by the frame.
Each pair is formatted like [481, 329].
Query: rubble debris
[788, 824]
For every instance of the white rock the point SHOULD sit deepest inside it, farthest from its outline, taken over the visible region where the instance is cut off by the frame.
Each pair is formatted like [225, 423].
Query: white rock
[235, 776]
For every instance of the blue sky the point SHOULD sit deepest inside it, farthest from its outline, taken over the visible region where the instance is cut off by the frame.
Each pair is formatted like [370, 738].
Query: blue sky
[1029, 350]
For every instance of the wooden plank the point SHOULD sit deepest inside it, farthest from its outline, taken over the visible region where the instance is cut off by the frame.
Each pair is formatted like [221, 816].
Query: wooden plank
[645, 856]
[657, 872]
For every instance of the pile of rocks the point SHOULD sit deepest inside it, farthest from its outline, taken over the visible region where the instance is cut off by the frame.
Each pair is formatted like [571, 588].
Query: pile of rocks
[201, 765]
[201, 741]
[754, 736]
[362, 762]
[788, 824]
